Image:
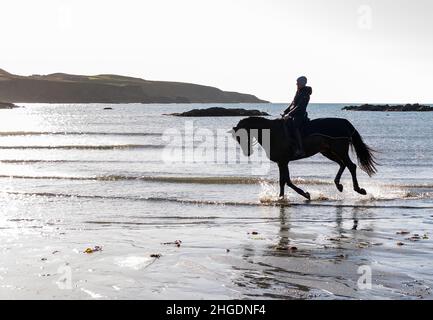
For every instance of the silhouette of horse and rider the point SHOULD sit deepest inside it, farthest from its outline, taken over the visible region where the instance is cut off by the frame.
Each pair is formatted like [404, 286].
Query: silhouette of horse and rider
[295, 137]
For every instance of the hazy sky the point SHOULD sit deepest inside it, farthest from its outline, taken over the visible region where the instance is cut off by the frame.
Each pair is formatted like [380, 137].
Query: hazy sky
[351, 50]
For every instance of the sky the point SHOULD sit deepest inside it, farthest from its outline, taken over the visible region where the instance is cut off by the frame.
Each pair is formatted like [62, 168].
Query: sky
[377, 51]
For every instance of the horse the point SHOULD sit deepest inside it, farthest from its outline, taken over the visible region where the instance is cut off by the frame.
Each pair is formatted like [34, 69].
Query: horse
[329, 136]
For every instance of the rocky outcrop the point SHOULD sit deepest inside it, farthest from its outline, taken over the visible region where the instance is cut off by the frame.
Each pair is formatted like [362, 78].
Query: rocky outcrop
[108, 88]
[7, 105]
[220, 112]
[390, 108]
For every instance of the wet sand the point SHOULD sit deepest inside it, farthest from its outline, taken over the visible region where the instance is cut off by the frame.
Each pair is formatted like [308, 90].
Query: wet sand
[227, 252]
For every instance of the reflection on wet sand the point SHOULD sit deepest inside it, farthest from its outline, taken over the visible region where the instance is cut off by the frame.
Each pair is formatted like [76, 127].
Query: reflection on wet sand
[299, 263]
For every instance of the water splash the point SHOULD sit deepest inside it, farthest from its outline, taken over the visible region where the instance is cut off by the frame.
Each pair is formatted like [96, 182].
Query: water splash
[375, 192]
[269, 193]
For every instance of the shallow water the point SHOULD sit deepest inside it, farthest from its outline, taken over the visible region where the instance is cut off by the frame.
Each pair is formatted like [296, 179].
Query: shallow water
[78, 176]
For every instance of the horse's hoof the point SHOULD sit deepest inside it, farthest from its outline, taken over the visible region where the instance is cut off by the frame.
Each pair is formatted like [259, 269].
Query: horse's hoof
[361, 191]
[339, 187]
[307, 195]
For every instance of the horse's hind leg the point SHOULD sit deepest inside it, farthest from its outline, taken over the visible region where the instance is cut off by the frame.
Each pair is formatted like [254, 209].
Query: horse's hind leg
[333, 157]
[352, 168]
[338, 177]
[340, 153]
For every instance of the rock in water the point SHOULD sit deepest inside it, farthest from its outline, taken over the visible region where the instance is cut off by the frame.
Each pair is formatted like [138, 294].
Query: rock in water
[7, 105]
[220, 112]
[390, 108]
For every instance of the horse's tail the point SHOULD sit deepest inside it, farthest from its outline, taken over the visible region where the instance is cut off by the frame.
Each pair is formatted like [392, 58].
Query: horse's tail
[364, 153]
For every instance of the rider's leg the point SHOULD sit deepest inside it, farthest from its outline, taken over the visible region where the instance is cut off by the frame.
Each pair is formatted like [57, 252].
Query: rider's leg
[288, 133]
[298, 136]
[286, 127]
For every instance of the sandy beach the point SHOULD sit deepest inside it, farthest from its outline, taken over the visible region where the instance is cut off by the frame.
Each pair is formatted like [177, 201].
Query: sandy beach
[276, 252]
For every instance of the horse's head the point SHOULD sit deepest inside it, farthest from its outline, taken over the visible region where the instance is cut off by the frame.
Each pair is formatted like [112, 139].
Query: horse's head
[242, 134]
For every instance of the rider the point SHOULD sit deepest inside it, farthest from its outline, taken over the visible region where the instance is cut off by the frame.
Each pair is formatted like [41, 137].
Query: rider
[297, 112]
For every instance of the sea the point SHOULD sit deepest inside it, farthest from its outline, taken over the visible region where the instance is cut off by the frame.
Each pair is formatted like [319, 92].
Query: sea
[170, 208]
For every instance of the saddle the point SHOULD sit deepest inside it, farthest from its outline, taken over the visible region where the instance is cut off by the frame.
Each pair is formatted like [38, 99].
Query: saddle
[329, 127]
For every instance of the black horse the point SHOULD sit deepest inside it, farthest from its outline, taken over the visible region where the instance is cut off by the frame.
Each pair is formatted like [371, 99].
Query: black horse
[329, 136]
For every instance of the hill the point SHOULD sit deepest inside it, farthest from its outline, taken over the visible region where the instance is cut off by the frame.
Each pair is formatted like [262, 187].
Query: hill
[109, 88]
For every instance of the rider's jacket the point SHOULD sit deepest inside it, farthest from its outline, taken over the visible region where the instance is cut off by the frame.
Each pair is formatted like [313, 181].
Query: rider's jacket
[298, 108]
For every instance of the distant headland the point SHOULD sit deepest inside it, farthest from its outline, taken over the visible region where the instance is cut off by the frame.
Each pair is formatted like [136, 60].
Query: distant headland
[390, 108]
[109, 88]
[7, 105]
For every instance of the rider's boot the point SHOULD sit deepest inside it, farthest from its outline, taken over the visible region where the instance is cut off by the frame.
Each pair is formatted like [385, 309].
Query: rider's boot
[299, 152]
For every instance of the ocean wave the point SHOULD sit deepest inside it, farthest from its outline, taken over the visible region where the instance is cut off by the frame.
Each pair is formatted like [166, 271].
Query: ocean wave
[411, 185]
[30, 161]
[283, 203]
[27, 161]
[173, 179]
[168, 179]
[87, 147]
[278, 203]
[77, 133]
[98, 178]
[406, 190]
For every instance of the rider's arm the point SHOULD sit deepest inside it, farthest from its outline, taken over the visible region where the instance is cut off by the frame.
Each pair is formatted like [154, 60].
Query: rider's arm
[301, 106]
[293, 111]
[288, 109]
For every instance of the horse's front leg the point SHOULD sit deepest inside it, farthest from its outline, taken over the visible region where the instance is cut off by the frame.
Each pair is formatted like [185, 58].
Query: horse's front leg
[283, 177]
[298, 190]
